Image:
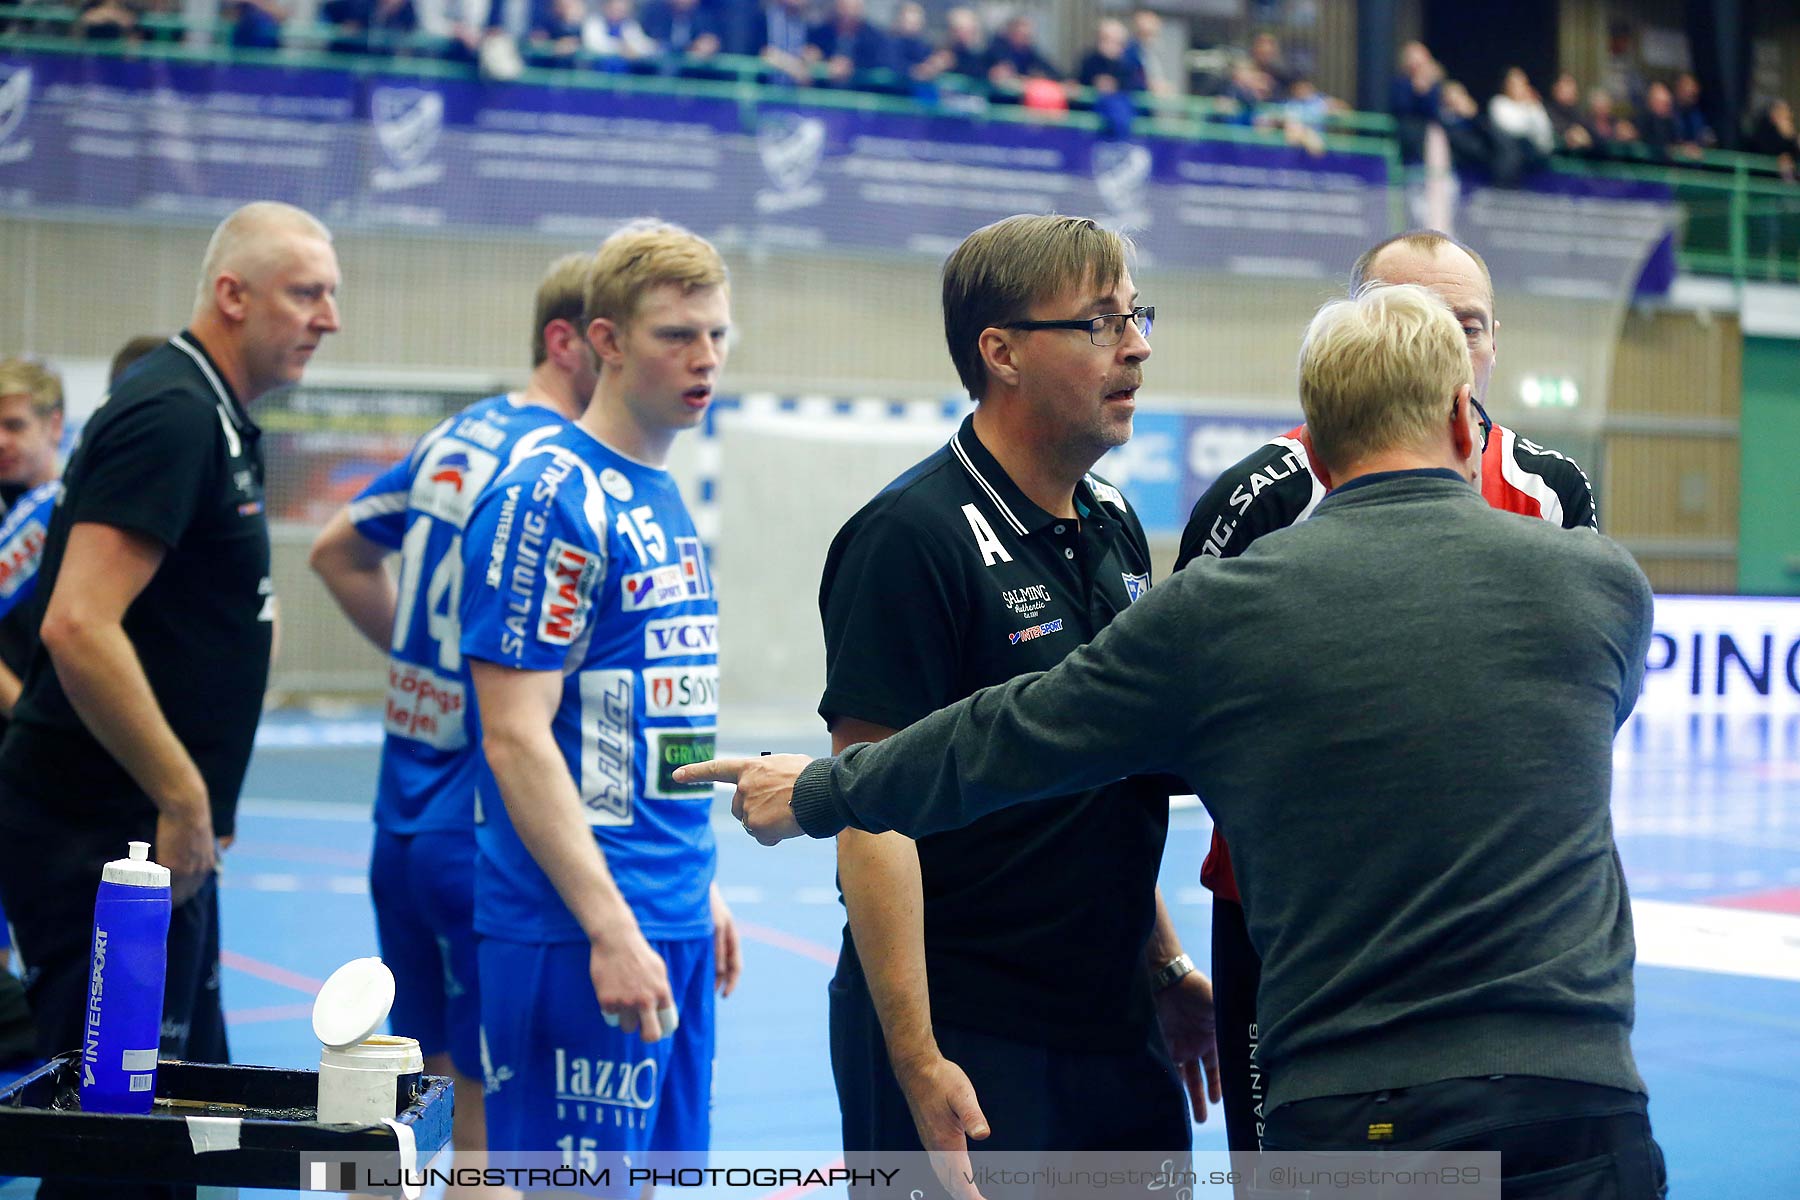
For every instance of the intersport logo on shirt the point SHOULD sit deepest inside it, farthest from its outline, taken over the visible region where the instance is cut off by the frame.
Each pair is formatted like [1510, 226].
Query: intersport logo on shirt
[681, 691]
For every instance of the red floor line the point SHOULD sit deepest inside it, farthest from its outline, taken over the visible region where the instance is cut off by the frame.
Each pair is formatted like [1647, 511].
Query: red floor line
[273, 1012]
[804, 947]
[271, 973]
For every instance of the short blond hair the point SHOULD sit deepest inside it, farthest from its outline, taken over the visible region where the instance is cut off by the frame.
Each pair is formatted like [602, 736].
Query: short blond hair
[22, 377]
[1377, 371]
[242, 244]
[645, 255]
[1002, 269]
[561, 296]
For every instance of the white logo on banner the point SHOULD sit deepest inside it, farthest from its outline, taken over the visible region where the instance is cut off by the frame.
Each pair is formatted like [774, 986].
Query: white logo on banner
[15, 98]
[791, 147]
[1122, 175]
[407, 124]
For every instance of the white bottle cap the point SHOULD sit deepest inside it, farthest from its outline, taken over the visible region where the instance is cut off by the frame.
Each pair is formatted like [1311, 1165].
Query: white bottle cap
[353, 1003]
[138, 870]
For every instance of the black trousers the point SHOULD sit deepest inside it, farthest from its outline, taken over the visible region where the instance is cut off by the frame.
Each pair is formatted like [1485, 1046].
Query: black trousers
[48, 880]
[1556, 1138]
[1236, 974]
[1034, 1097]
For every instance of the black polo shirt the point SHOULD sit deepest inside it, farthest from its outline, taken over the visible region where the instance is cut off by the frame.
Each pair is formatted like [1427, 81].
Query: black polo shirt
[173, 456]
[951, 580]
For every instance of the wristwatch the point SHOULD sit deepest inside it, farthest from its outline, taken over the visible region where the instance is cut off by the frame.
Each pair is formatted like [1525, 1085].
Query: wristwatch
[1171, 972]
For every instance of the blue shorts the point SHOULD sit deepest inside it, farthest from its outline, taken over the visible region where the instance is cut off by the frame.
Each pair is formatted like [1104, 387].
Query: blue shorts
[423, 886]
[560, 1078]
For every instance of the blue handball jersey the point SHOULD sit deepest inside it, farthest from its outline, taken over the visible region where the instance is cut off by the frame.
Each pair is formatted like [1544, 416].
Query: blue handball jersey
[22, 537]
[580, 560]
[431, 757]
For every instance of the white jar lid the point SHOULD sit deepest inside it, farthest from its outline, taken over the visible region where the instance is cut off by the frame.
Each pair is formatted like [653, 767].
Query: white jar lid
[353, 1003]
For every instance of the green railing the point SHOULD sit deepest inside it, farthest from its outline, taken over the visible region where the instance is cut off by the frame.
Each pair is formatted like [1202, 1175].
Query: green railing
[1738, 217]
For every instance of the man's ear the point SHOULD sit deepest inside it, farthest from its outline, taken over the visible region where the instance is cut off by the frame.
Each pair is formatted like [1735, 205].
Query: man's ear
[999, 354]
[1463, 423]
[230, 295]
[603, 334]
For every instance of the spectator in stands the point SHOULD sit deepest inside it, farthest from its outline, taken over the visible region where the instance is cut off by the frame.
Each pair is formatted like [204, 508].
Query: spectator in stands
[847, 44]
[1146, 31]
[459, 25]
[556, 33]
[1265, 52]
[1304, 113]
[779, 35]
[1113, 77]
[1564, 109]
[1660, 129]
[106, 21]
[1774, 134]
[910, 51]
[1622, 77]
[1108, 67]
[1415, 98]
[1014, 57]
[1610, 132]
[1471, 144]
[1523, 136]
[258, 24]
[368, 25]
[1245, 92]
[614, 37]
[1694, 126]
[965, 45]
[682, 28]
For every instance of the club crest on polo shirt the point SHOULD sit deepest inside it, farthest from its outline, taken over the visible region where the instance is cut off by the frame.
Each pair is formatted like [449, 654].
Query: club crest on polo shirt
[1135, 585]
[1035, 632]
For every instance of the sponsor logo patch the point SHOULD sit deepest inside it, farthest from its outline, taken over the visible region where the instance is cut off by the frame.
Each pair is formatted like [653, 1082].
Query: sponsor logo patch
[425, 707]
[694, 576]
[681, 691]
[603, 1081]
[655, 588]
[1027, 601]
[570, 574]
[1135, 586]
[674, 637]
[450, 476]
[671, 748]
[1036, 632]
[606, 739]
[19, 557]
[614, 484]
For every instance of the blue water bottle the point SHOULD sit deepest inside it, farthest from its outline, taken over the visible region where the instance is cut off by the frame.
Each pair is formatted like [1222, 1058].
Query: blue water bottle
[123, 1023]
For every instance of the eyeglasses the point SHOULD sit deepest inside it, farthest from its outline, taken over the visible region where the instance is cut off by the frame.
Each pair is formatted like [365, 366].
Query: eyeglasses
[1481, 418]
[1108, 329]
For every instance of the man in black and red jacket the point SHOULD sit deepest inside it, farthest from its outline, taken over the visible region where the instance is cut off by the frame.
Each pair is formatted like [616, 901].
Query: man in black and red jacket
[1279, 484]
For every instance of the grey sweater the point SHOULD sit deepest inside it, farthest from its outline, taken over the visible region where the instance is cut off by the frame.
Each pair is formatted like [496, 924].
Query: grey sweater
[1401, 715]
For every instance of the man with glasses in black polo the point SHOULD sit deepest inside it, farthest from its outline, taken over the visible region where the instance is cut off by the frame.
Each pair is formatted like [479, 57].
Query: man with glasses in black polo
[1017, 981]
[1280, 483]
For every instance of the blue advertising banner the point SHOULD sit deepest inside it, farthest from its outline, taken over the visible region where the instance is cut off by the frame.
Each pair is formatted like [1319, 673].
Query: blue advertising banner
[371, 151]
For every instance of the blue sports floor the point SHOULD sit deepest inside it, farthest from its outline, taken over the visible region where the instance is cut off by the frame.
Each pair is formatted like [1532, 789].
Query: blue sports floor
[1708, 820]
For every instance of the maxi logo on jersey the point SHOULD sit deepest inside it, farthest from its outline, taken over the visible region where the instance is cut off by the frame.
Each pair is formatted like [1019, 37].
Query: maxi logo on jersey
[658, 587]
[570, 574]
[19, 557]
[678, 637]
